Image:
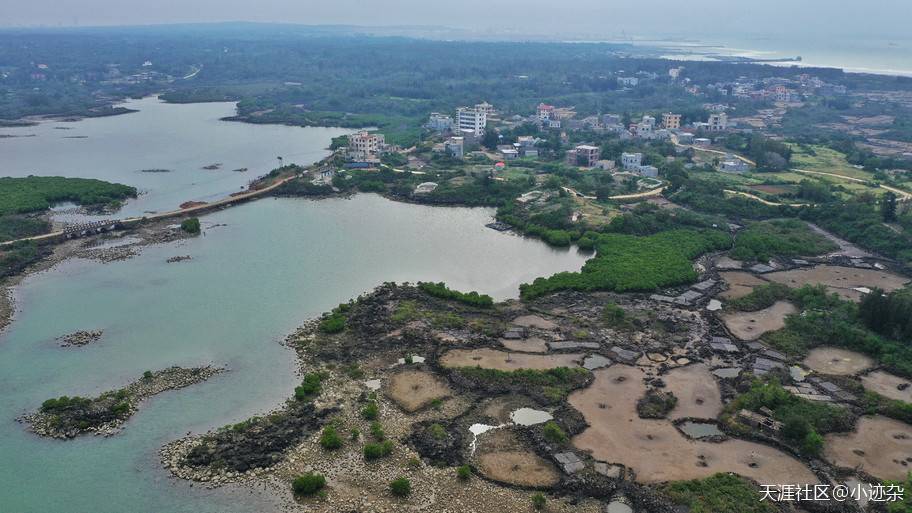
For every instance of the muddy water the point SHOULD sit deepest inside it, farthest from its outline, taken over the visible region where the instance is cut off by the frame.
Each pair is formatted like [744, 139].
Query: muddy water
[841, 280]
[502, 360]
[888, 385]
[655, 450]
[696, 390]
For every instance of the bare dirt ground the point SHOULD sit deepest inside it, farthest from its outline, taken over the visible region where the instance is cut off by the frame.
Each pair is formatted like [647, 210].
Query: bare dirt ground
[535, 321]
[696, 390]
[881, 446]
[739, 284]
[655, 450]
[841, 280]
[502, 457]
[845, 247]
[888, 385]
[752, 325]
[502, 360]
[840, 362]
[413, 390]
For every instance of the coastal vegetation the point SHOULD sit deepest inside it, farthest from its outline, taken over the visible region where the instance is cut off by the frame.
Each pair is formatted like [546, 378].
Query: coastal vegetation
[781, 237]
[721, 493]
[191, 226]
[16, 257]
[629, 263]
[39, 193]
[440, 290]
[308, 484]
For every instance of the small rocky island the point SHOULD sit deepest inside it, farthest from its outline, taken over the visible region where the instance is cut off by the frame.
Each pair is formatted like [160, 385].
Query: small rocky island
[68, 417]
[80, 338]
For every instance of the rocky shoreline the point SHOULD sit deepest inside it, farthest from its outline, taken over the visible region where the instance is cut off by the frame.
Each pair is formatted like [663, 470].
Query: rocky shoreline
[69, 417]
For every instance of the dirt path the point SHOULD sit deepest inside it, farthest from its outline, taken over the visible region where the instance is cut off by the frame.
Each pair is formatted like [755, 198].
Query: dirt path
[899, 192]
[761, 200]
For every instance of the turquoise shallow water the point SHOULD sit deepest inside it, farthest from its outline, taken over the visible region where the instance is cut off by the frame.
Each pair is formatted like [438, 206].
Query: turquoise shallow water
[276, 263]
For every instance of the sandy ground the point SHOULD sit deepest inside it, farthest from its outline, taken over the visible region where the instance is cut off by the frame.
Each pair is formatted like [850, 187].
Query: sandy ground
[841, 280]
[501, 360]
[534, 321]
[879, 445]
[502, 457]
[413, 390]
[739, 284]
[696, 390]
[655, 450]
[840, 362]
[529, 345]
[887, 384]
[752, 325]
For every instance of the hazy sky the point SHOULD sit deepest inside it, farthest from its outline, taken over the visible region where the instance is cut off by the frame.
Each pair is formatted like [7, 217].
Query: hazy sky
[696, 18]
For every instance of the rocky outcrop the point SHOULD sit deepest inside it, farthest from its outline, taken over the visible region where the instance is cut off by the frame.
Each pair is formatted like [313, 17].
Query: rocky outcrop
[68, 417]
[80, 338]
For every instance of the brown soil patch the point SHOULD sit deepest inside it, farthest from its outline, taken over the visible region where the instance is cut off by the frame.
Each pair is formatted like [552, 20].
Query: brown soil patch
[529, 345]
[502, 360]
[881, 446]
[520, 468]
[655, 450]
[752, 325]
[535, 321]
[887, 385]
[773, 189]
[840, 362]
[841, 280]
[697, 392]
[739, 284]
[413, 390]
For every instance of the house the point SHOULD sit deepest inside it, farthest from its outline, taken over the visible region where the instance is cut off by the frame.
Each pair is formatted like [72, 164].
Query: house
[588, 155]
[487, 108]
[732, 164]
[628, 81]
[365, 145]
[440, 122]
[762, 422]
[509, 154]
[455, 147]
[606, 165]
[471, 119]
[545, 112]
[671, 121]
[631, 161]
[648, 171]
[702, 142]
[685, 138]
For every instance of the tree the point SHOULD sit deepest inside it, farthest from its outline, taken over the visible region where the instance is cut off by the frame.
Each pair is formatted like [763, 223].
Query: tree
[191, 226]
[490, 139]
[330, 439]
[888, 207]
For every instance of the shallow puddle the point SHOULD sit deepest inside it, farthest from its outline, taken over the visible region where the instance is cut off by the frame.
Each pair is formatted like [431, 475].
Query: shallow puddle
[529, 417]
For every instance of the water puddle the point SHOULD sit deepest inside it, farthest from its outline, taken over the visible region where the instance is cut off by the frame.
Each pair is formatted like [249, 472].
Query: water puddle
[700, 429]
[477, 429]
[529, 417]
[797, 373]
[616, 506]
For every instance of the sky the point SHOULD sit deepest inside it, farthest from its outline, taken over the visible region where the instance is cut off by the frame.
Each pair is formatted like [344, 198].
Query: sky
[697, 19]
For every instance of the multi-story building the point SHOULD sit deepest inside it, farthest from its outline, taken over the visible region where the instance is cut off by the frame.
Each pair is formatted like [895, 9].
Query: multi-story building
[631, 161]
[488, 109]
[455, 147]
[545, 112]
[718, 122]
[471, 118]
[671, 121]
[365, 145]
[588, 155]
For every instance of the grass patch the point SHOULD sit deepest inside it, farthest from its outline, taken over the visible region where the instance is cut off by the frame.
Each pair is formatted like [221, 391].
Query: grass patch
[550, 385]
[440, 290]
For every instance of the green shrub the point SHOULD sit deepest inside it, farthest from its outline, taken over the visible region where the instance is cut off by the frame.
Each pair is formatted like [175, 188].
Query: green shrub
[377, 431]
[310, 386]
[553, 433]
[330, 439]
[781, 237]
[371, 411]
[191, 226]
[437, 431]
[332, 323]
[721, 493]
[308, 484]
[375, 451]
[464, 472]
[401, 487]
[538, 501]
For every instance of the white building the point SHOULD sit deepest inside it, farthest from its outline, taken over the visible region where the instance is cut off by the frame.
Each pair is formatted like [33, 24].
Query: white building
[628, 81]
[544, 112]
[488, 109]
[365, 145]
[440, 122]
[631, 160]
[455, 147]
[471, 118]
